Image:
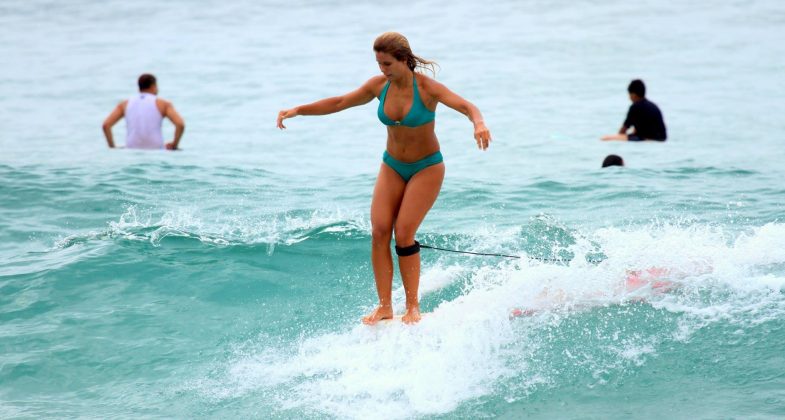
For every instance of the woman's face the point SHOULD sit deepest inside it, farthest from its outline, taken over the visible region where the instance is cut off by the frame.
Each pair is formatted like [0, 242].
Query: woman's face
[391, 67]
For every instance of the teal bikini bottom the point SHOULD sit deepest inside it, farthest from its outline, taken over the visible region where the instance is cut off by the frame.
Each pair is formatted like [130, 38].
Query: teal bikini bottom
[407, 170]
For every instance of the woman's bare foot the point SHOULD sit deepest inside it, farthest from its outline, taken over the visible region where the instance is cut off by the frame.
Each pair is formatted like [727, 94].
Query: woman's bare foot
[378, 314]
[412, 315]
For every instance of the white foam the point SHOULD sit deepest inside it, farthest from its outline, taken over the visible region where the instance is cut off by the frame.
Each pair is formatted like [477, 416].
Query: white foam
[432, 279]
[283, 229]
[398, 370]
[469, 345]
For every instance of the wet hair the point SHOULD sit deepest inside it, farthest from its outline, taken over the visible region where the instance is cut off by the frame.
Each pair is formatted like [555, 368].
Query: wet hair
[612, 160]
[146, 81]
[397, 46]
[637, 87]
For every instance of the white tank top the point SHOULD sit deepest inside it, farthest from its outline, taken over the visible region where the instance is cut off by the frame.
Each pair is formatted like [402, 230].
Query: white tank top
[143, 123]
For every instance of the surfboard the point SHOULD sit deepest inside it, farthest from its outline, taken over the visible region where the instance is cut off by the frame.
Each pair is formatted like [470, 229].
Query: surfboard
[397, 319]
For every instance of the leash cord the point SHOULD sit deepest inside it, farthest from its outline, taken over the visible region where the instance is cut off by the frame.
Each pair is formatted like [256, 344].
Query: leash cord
[485, 254]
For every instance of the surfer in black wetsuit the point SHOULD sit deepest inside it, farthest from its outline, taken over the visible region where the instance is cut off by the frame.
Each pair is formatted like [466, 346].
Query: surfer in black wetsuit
[644, 116]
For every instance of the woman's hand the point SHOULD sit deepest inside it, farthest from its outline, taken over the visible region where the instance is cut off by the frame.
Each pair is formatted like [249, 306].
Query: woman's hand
[482, 135]
[284, 114]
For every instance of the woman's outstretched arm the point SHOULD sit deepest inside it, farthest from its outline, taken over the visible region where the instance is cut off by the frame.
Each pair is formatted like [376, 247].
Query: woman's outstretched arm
[360, 96]
[444, 95]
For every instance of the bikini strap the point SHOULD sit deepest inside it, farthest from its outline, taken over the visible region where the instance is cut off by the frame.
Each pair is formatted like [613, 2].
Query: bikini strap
[383, 95]
[417, 97]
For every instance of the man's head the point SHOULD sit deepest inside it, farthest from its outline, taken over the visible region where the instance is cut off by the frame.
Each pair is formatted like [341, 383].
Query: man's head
[147, 83]
[612, 160]
[637, 90]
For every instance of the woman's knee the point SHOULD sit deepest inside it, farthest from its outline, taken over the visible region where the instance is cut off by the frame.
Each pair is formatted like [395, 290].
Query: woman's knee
[381, 234]
[404, 234]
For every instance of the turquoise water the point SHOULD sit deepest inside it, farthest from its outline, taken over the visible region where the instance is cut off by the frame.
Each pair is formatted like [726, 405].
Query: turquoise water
[227, 280]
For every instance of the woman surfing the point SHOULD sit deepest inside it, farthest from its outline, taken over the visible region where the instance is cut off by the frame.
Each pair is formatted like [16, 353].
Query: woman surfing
[412, 169]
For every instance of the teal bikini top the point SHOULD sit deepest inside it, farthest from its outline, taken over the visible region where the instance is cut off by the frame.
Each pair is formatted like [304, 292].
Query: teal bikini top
[418, 114]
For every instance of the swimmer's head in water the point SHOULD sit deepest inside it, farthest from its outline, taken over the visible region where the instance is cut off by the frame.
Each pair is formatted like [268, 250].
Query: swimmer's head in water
[637, 88]
[147, 82]
[397, 46]
[612, 160]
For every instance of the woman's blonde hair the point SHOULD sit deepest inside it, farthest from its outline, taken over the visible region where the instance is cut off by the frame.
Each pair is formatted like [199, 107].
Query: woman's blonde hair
[397, 46]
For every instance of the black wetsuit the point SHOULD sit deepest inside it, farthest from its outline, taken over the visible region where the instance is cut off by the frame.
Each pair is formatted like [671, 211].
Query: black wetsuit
[646, 117]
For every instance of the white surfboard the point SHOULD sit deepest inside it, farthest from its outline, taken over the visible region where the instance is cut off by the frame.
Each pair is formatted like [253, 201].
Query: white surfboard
[397, 319]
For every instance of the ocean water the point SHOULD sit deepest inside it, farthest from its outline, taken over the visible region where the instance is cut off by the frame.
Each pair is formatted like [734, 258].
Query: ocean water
[227, 280]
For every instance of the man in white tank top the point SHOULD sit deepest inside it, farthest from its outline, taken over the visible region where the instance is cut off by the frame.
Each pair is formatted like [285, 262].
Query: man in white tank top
[143, 114]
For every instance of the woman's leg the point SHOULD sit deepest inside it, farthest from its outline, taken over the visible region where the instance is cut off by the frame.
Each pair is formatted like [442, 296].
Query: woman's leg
[418, 197]
[387, 196]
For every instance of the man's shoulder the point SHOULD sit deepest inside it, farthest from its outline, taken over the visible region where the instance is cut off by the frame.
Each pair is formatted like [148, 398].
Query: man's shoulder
[162, 105]
[648, 103]
[644, 105]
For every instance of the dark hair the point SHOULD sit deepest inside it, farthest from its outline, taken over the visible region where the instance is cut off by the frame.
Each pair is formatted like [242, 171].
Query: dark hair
[146, 81]
[637, 87]
[397, 46]
[612, 160]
